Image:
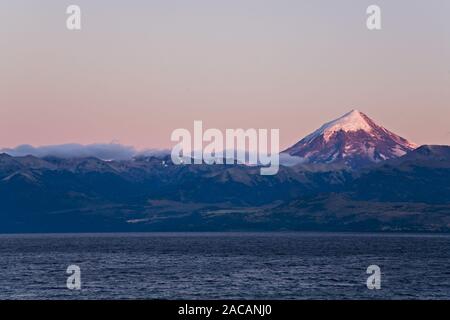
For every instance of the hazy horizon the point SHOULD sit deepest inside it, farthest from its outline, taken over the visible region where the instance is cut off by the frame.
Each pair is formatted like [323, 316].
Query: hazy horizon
[140, 69]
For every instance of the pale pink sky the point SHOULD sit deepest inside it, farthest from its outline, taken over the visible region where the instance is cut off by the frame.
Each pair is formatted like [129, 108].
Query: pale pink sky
[140, 69]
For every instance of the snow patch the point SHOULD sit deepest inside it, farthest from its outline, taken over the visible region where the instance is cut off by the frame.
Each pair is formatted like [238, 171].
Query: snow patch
[349, 122]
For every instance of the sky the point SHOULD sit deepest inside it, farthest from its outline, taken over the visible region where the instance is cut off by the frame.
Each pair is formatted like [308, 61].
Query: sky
[140, 69]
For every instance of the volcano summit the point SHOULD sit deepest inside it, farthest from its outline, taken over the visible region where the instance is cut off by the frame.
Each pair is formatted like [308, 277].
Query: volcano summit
[353, 140]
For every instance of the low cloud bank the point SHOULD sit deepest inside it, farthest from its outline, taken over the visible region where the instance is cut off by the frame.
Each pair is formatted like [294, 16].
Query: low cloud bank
[108, 151]
[288, 161]
[104, 151]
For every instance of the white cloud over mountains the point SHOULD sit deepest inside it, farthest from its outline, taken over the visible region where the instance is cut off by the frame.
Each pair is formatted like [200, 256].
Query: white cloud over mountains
[104, 151]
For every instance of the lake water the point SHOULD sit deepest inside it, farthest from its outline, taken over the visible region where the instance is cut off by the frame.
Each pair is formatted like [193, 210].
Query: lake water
[225, 266]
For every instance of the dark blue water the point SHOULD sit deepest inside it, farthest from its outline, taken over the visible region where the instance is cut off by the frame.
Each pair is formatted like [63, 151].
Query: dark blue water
[225, 266]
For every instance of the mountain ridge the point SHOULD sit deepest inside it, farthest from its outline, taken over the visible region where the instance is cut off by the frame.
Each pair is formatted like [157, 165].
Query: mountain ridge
[93, 195]
[343, 187]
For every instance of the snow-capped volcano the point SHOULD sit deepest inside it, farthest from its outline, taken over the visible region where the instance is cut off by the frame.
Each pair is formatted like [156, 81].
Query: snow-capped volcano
[354, 140]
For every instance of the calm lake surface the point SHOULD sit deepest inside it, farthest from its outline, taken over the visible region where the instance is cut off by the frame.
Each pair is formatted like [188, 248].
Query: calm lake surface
[225, 266]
